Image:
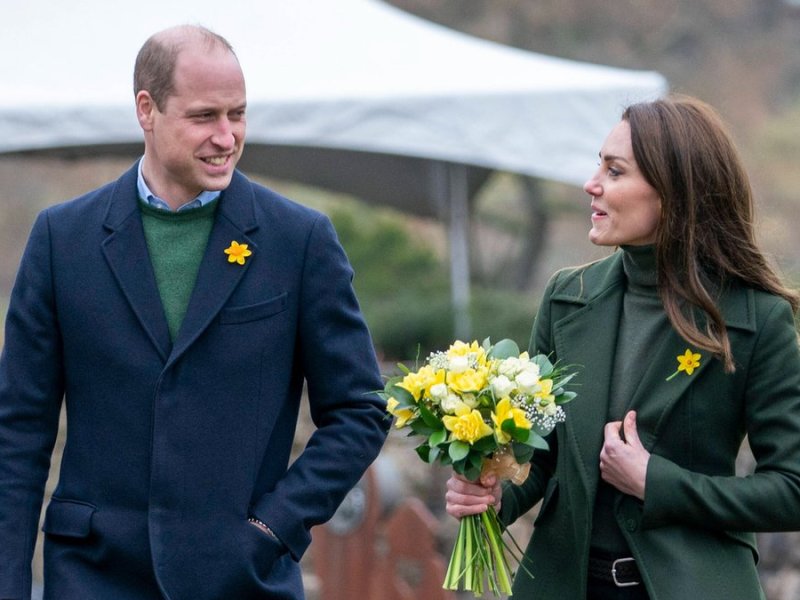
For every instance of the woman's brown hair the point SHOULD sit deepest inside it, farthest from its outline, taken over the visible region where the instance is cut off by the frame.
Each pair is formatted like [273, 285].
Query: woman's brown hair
[706, 238]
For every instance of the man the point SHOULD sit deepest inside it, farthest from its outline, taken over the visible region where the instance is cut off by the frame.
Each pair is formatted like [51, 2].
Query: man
[178, 311]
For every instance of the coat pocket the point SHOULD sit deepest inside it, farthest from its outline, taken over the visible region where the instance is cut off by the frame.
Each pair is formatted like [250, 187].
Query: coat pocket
[254, 312]
[69, 518]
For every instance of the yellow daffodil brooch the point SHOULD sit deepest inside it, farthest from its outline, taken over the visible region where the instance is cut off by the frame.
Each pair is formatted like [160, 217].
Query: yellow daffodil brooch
[237, 253]
[687, 362]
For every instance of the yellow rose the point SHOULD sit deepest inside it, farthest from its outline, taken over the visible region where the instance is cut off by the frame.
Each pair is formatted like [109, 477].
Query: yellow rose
[438, 378]
[403, 415]
[420, 382]
[467, 426]
[461, 349]
[471, 380]
[503, 412]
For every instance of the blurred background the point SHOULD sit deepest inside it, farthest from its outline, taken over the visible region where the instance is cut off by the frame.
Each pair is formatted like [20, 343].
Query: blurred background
[742, 56]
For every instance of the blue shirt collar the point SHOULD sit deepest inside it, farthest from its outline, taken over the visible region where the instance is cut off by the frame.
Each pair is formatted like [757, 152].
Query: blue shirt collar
[150, 198]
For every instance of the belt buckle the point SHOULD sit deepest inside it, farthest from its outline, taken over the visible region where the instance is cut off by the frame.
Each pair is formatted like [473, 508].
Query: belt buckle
[614, 572]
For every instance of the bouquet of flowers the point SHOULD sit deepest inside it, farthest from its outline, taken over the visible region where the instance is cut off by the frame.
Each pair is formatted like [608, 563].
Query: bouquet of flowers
[480, 409]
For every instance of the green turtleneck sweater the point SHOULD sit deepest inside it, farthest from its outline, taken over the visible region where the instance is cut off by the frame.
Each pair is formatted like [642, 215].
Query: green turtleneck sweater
[642, 325]
[176, 242]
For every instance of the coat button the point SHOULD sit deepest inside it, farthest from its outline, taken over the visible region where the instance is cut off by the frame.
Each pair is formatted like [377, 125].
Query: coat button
[630, 524]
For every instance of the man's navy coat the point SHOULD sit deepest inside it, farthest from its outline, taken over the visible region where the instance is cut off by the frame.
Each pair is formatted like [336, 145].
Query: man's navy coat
[172, 446]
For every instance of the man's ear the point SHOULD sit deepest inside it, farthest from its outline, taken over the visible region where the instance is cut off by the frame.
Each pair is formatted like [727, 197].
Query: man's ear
[145, 109]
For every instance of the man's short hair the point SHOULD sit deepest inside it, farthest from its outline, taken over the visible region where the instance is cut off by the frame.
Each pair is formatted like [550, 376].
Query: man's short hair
[154, 70]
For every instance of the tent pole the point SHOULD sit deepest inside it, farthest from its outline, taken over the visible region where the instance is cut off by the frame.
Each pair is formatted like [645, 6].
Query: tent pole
[459, 250]
[452, 196]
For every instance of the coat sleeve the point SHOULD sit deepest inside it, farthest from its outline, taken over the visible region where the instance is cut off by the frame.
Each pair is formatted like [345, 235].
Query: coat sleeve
[342, 375]
[769, 499]
[31, 388]
[517, 500]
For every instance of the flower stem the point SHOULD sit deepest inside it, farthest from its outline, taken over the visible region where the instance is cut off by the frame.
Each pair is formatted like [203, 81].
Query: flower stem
[456, 559]
[469, 574]
[478, 557]
[493, 532]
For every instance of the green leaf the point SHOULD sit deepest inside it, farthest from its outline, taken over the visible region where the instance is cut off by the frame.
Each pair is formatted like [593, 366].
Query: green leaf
[475, 459]
[537, 441]
[566, 380]
[458, 450]
[522, 435]
[437, 437]
[522, 453]
[544, 364]
[402, 395]
[430, 419]
[504, 349]
[468, 468]
[459, 468]
[566, 397]
[471, 472]
[433, 454]
[424, 452]
[420, 428]
[509, 426]
[485, 445]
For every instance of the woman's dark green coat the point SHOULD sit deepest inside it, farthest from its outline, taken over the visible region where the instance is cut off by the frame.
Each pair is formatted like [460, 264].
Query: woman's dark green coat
[692, 536]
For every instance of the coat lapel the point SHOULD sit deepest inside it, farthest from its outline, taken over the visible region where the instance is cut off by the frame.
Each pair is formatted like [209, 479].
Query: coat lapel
[656, 397]
[586, 339]
[125, 250]
[217, 278]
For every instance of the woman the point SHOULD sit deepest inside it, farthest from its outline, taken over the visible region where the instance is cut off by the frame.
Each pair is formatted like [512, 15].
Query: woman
[686, 341]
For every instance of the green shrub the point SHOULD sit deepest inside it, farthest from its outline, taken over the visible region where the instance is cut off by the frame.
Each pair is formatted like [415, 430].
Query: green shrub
[404, 289]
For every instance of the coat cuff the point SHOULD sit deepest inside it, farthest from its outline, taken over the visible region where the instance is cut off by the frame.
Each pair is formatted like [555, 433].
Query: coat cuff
[662, 475]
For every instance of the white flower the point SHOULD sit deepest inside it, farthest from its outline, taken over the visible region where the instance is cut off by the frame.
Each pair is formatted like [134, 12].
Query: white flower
[470, 400]
[509, 366]
[528, 380]
[439, 391]
[551, 409]
[531, 367]
[459, 364]
[502, 386]
[451, 403]
[513, 365]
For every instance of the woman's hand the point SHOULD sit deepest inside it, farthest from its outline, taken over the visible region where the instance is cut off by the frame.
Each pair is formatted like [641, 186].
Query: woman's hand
[465, 497]
[623, 462]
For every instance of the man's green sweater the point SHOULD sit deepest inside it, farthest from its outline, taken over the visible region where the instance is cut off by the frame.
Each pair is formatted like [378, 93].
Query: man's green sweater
[176, 242]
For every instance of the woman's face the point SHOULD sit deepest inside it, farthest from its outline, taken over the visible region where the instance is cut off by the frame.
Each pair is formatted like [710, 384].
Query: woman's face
[625, 208]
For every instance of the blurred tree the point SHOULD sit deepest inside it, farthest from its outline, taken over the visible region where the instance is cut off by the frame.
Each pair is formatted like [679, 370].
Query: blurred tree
[403, 287]
[740, 55]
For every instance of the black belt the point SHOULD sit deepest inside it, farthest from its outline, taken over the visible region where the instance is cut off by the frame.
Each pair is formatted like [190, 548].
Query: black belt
[622, 572]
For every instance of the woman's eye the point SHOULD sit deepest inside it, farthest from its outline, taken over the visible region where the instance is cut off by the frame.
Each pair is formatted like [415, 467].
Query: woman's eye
[614, 172]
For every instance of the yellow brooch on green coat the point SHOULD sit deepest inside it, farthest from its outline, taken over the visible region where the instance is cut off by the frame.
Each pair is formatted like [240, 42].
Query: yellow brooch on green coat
[237, 253]
[687, 362]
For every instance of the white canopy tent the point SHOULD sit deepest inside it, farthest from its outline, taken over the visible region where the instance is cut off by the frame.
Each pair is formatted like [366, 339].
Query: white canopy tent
[354, 95]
